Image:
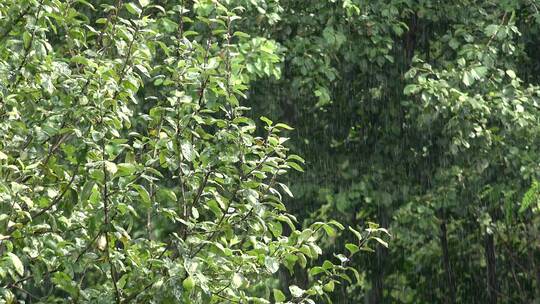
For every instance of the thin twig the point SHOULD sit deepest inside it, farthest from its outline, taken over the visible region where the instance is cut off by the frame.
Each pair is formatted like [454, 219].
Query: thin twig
[56, 200]
[497, 31]
[107, 223]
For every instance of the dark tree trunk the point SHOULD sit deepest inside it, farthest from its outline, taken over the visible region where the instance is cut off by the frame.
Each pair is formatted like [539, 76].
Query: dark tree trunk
[449, 286]
[492, 286]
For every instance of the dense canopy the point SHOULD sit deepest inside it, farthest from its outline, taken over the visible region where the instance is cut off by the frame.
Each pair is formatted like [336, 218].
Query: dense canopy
[269, 151]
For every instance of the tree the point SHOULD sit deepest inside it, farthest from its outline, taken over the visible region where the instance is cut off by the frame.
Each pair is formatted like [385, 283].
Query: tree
[130, 171]
[422, 116]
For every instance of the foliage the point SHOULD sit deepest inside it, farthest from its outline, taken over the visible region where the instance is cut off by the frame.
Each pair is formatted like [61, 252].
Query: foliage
[132, 171]
[422, 116]
[129, 169]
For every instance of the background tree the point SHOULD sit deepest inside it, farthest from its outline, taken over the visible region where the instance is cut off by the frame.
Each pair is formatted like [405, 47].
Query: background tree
[132, 170]
[421, 116]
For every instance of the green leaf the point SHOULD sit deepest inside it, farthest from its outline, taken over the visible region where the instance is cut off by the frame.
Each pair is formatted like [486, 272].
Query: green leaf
[237, 280]
[241, 34]
[296, 291]
[279, 296]
[532, 196]
[327, 265]
[337, 224]
[144, 3]
[342, 258]
[355, 232]
[352, 248]
[454, 43]
[468, 79]
[491, 29]
[329, 287]
[316, 270]
[296, 157]
[266, 120]
[329, 230]
[286, 189]
[283, 126]
[27, 38]
[166, 196]
[410, 89]
[302, 261]
[133, 9]
[126, 169]
[480, 71]
[188, 151]
[272, 264]
[86, 191]
[511, 74]
[380, 241]
[111, 167]
[295, 166]
[16, 262]
[188, 283]
[84, 2]
[101, 242]
[145, 196]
